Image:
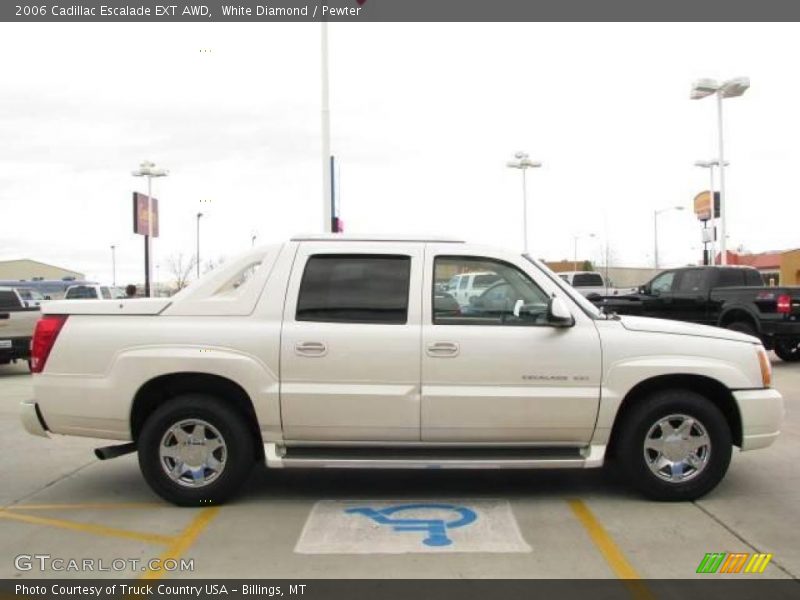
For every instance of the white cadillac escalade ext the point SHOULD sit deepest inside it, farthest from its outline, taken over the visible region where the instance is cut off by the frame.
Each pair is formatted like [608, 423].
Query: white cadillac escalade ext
[328, 351]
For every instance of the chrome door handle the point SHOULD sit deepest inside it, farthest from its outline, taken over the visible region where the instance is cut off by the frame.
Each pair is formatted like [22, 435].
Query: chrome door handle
[442, 349]
[310, 349]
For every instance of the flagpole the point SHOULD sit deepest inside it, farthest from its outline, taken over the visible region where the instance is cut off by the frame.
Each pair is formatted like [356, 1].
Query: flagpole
[326, 137]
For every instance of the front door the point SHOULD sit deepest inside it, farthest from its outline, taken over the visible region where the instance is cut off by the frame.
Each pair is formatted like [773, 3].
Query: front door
[495, 370]
[350, 344]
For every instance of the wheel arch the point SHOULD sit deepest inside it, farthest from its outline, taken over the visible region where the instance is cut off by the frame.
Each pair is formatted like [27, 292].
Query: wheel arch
[739, 313]
[718, 393]
[161, 389]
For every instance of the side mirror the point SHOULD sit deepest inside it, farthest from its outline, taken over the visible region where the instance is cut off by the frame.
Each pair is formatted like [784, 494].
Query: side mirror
[558, 313]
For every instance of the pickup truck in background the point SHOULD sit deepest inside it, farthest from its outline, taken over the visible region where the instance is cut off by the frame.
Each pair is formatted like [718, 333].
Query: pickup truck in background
[17, 322]
[334, 351]
[733, 297]
[592, 284]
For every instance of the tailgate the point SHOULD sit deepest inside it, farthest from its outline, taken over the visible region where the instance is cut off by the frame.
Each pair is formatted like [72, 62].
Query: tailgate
[134, 306]
[18, 323]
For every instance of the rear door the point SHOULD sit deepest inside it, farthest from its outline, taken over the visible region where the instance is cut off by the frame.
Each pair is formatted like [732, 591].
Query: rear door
[350, 344]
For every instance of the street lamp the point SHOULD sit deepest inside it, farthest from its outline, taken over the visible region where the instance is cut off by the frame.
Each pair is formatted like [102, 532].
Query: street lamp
[655, 229]
[710, 164]
[523, 163]
[575, 238]
[726, 89]
[253, 236]
[148, 169]
[199, 216]
[113, 265]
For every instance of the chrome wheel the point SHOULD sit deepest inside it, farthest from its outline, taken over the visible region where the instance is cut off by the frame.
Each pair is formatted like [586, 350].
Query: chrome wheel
[677, 448]
[193, 453]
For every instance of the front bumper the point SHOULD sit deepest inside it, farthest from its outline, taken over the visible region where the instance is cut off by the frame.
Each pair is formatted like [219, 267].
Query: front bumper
[762, 414]
[32, 419]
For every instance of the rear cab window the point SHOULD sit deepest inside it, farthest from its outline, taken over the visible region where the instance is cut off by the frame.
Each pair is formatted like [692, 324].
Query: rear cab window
[587, 280]
[355, 288]
[8, 299]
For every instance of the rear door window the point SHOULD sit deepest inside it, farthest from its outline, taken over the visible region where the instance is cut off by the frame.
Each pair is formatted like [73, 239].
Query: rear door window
[691, 281]
[360, 288]
[730, 278]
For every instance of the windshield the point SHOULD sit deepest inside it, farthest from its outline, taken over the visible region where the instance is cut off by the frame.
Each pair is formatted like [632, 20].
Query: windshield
[587, 307]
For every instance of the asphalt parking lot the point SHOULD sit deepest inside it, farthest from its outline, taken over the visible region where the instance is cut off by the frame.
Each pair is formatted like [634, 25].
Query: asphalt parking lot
[58, 500]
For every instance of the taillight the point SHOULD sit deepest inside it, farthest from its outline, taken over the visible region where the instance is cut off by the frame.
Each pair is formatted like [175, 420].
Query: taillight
[44, 337]
[784, 304]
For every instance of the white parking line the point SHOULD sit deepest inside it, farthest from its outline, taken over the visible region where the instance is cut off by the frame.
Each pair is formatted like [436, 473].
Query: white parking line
[407, 526]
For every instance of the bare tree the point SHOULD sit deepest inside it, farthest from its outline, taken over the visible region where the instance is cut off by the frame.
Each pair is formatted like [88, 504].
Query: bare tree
[212, 264]
[180, 268]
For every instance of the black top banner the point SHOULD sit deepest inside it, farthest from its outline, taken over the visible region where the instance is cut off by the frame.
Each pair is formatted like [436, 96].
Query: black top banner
[363, 11]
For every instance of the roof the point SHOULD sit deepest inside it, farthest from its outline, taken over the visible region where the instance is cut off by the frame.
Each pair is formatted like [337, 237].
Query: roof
[338, 237]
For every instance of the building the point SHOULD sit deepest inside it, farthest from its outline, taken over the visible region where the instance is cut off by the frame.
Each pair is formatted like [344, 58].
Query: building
[27, 269]
[777, 268]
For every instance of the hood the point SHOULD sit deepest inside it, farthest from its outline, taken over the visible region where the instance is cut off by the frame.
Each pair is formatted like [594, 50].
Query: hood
[133, 306]
[683, 328]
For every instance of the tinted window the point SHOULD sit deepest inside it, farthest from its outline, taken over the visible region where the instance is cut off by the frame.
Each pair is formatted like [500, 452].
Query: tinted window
[80, 292]
[753, 278]
[9, 300]
[513, 299]
[355, 289]
[693, 280]
[730, 278]
[587, 280]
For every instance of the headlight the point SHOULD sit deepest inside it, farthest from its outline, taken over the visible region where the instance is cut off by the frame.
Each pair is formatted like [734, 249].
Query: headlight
[766, 366]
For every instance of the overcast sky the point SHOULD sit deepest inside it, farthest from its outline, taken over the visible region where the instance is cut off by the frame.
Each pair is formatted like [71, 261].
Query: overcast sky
[424, 118]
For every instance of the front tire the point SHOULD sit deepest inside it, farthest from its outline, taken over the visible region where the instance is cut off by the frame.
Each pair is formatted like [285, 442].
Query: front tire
[195, 451]
[674, 445]
[788, 350]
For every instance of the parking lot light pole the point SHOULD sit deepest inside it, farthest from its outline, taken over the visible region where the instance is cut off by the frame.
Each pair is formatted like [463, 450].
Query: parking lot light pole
[524, 163]
[113, 265]
[575, 238]
[655, 229]
[148, 169]
[199, 216]
[731, 88]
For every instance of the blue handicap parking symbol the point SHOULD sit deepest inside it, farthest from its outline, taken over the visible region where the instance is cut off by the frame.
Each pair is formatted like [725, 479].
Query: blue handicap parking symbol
[436, 529]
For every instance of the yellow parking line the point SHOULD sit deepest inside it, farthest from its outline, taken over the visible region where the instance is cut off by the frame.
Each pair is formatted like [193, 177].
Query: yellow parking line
[87, 506]
[610, 551]
[152, 538]
[182, 542]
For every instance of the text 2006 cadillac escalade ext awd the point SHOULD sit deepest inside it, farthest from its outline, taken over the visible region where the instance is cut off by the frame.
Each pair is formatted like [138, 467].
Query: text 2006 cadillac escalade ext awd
[328, 351]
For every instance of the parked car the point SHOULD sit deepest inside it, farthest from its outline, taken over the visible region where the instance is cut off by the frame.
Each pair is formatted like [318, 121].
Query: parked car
[733, 297]
[30, 298]
[592, 284]
[17, 321]
[94, 292]
[50, 289]
[465, 286]
[339, 352]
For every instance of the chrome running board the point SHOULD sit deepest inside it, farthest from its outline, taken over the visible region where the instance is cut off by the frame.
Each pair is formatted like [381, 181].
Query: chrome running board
[433, 458]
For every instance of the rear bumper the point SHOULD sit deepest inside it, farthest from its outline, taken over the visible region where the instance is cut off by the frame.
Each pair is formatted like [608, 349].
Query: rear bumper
[17, 348]
[32, 419]
[781, 329]
[762, 415]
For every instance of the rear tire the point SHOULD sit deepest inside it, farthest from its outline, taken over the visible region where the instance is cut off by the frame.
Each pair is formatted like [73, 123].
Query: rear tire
[788, 350]
[743, 327]
[674, 445]
[195, 450]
